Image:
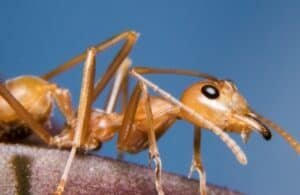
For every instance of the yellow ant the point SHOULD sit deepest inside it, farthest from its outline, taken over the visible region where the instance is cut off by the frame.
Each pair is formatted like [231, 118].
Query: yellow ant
[212, 104]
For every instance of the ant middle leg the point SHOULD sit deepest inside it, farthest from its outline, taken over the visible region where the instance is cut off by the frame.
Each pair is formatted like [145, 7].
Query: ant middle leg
[140, 94]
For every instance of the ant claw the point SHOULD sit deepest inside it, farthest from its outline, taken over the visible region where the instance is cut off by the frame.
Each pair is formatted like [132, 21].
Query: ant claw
[158, 167]
[192, 169]
[202, 177]
[60, 188]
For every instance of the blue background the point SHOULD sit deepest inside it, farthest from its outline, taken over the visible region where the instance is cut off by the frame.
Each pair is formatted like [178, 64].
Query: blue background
[252, 42]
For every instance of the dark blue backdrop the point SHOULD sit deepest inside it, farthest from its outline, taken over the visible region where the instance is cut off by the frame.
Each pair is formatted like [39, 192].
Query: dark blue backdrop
[252, 42]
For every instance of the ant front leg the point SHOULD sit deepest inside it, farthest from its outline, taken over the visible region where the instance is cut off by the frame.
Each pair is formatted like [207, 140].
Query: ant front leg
[128, 129]
[197, 162]
[153, 149]
[64, 103]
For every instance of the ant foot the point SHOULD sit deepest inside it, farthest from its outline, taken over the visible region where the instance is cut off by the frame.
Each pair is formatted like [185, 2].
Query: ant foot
[202, 176]
[60, 188]
[158, 167]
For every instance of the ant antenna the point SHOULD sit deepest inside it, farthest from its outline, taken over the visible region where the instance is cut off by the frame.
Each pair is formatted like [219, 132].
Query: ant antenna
[148, 70]
[293, 142]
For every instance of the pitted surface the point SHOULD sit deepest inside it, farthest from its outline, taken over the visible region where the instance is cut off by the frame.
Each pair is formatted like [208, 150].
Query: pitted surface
[34, 170]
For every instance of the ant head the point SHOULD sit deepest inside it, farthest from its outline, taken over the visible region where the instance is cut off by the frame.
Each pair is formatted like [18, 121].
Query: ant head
[220, 102]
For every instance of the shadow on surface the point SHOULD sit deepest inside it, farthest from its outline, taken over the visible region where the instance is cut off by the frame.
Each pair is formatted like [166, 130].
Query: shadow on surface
[21, 165]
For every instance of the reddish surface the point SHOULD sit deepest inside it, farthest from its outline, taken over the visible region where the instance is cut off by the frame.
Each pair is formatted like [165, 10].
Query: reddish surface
[35, 170]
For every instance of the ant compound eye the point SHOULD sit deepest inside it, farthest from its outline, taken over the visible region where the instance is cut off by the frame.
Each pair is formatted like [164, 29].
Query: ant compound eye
[210, 91]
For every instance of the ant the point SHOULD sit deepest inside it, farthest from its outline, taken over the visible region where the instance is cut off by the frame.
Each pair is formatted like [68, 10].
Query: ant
[75, 134]
[212, 104]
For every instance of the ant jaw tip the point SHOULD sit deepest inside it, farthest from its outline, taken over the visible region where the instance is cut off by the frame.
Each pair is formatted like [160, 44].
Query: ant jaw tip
[267, 135]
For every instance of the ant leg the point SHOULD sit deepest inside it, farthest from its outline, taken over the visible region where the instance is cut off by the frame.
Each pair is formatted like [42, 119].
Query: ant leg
[153, 149]
[128, 119]
[124, 92]
[124, 103]
[84, 111]
[127, 129]
[121, 81]
[130, 38]
[64, 103]
[25, 115]
[197, 162]
[121, 73]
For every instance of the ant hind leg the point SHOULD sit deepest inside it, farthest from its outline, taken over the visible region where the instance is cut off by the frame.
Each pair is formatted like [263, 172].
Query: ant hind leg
[84, 111]
[25, 115]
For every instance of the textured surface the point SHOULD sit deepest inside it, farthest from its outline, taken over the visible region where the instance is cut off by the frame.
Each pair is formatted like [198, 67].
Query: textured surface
[34, 170]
